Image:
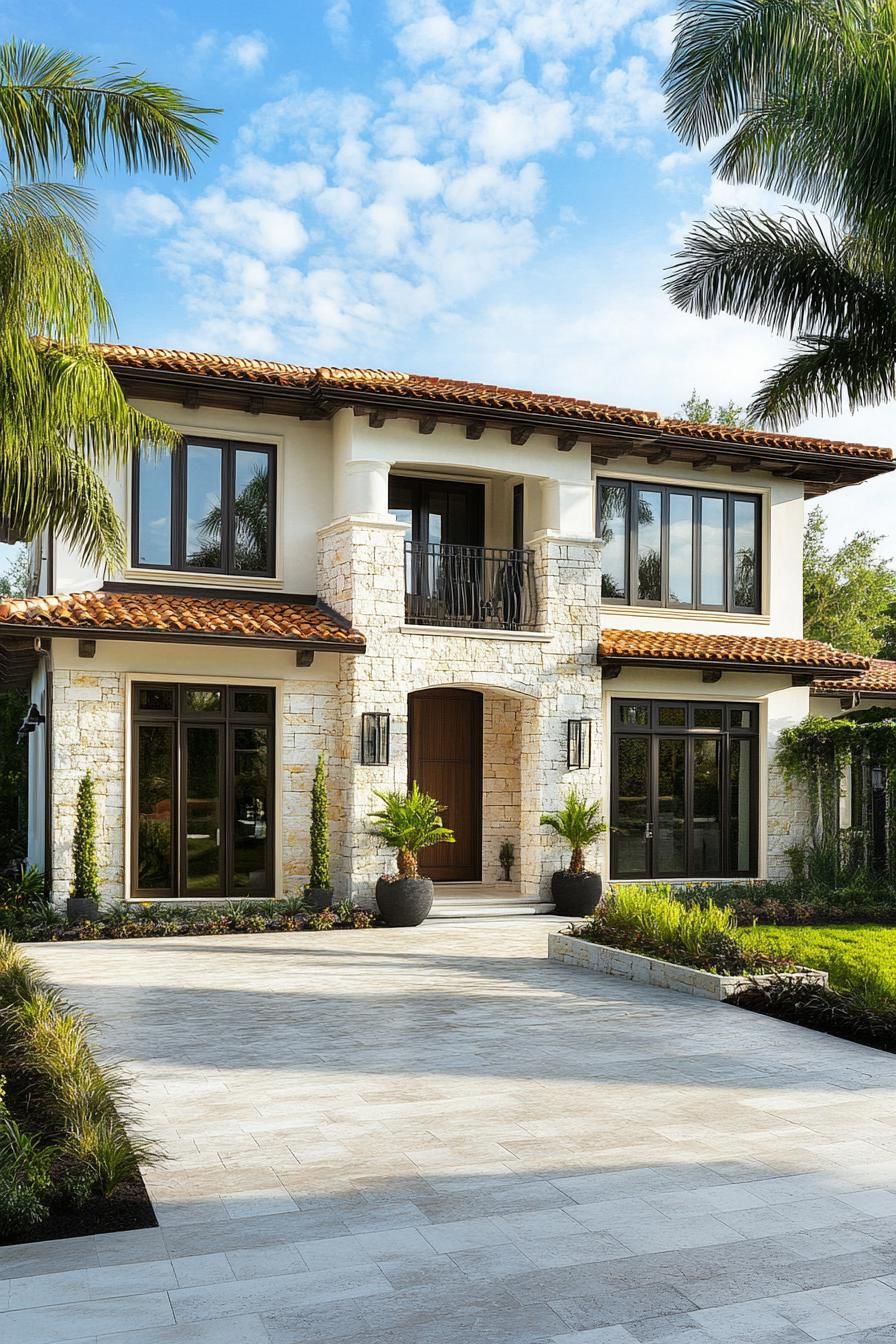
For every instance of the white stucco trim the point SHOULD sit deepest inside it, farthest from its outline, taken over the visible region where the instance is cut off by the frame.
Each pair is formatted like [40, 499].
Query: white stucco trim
[182, 678]
[460, 632]
[663, 614]
[389, 524]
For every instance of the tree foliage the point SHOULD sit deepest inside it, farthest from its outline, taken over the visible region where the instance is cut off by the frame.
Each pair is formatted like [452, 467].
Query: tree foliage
[86, 878]
[848, 590]
[701, 411]
[801, 95]
[62, 413]
[409, 822]
[319, 876]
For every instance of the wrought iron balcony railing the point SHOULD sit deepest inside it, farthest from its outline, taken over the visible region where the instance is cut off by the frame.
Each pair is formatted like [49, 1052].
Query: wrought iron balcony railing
[469, 587]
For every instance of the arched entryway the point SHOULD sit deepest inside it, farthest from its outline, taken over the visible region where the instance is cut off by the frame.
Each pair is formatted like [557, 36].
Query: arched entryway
[445, 758]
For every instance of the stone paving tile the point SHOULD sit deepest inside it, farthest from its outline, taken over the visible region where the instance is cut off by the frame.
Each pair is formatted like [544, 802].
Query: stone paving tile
[432, 1136]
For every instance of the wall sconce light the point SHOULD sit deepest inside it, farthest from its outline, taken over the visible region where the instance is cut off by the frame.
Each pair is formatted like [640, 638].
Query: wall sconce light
[374, 739]
[29, 723]
[578, 744]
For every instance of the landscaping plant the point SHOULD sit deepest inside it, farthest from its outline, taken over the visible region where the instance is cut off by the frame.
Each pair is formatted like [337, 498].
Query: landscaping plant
[63, 1138]
[86, 880]
[319, 888]
[408, 823]
[579, 823]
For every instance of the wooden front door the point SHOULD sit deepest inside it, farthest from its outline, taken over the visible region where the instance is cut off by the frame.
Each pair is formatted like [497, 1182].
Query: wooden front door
[445, 758]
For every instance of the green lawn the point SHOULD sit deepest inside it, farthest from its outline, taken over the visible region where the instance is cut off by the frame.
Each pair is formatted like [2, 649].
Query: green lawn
[848, 951]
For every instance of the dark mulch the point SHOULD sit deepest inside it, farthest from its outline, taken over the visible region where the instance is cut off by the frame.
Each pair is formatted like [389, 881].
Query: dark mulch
[835, 1012]
[127, 1209]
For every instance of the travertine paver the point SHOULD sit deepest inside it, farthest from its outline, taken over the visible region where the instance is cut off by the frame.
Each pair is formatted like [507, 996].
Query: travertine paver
[435, 1135]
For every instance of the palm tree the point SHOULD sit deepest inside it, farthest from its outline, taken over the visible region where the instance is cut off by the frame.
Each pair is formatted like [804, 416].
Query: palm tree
[579, 823]
[802, 94]
[62, 413]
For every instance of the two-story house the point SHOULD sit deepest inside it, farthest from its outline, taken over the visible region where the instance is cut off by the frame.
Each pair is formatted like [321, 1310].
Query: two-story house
[497, 593]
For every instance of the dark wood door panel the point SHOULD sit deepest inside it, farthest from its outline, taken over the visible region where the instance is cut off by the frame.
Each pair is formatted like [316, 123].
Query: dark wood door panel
[445, 758]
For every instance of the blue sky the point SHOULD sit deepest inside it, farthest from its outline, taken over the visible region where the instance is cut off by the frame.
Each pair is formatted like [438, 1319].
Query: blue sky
[485, 190]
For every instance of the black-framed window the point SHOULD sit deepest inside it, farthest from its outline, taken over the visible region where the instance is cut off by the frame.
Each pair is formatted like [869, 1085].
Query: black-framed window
[208, 507]
[202, 796]
[684, 789]
[671, 546]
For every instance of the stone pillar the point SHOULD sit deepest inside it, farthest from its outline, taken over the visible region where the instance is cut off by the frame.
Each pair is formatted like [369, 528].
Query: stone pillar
[361, 575]
[567, 580]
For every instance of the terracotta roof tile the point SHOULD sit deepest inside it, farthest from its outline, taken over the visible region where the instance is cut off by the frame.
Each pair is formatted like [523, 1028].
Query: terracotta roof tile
[879, 679]
[146, 613]
[763, 651]
[465, 395]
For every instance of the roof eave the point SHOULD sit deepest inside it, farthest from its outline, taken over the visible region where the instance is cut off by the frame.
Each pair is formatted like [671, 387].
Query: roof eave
[284, 642]
[719, 665]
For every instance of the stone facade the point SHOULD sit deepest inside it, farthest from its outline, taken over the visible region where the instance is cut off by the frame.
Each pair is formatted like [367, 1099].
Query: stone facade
[531, 683]
[789, 824]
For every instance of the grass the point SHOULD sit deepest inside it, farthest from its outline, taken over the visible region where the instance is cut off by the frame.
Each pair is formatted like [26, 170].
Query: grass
[860, 958]
[649, 920]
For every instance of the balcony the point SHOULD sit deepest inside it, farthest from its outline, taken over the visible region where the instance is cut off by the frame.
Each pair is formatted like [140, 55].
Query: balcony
[469, 587]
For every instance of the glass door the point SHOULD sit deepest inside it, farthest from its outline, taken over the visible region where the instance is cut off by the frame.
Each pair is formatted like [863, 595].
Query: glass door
[201, 790]
[670, 841]
[631, 839]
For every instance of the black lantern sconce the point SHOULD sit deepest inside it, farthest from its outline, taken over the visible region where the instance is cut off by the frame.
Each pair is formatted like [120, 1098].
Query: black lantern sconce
[29, 723]
[374, 739]
[578, 744]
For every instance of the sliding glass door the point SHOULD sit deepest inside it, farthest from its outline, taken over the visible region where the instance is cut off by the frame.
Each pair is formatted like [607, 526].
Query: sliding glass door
[684, 789]
[202, 792]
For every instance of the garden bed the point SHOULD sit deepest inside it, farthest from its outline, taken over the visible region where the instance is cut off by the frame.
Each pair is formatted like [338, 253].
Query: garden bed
[70, 1156]
[574, 950]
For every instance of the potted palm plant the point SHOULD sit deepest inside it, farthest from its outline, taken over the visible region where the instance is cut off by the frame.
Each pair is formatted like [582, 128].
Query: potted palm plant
[408, 822]
[576, 890]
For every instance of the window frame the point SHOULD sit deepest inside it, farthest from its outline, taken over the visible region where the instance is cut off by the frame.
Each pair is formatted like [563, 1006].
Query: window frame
[178, 509]
[727, 733]
[227, 720]
[730, 499]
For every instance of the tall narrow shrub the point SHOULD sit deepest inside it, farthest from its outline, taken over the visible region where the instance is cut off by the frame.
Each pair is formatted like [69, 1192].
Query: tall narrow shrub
[320, 829]
[86, 882]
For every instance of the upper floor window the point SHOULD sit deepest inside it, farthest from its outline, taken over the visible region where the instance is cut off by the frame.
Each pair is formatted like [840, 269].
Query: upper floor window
[668, 546]
[207, 506]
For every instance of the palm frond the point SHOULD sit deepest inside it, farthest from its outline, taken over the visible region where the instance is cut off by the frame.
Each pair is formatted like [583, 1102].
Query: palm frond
[792, 273]
[55, 108]
[730, 54]
[826, 371]
[59, 486]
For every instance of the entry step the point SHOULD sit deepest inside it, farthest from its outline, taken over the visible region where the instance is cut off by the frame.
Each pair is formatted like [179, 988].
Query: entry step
[470, 901]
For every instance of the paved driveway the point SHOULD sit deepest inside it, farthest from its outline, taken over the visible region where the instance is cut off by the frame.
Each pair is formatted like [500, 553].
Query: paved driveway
[435, 1136]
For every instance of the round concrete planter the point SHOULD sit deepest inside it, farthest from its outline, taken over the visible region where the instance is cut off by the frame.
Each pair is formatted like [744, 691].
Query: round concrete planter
[405, 901]
[319, 898]
[575, 894]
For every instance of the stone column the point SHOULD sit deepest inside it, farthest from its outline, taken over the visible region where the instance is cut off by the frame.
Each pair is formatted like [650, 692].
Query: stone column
[361, 575]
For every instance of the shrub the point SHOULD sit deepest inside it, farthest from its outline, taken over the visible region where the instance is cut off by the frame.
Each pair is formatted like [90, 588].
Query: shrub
[319, 876]
[839, 1012]
[322, 919]
[86, 881]
[65, 1112]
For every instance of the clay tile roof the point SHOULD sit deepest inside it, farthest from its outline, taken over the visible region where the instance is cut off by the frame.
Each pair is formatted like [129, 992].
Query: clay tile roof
[880, 679]
[463, 395]
[766, 653]
[230, 619]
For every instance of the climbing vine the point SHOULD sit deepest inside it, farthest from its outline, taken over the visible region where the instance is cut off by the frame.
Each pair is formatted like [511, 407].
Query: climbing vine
[816, 753]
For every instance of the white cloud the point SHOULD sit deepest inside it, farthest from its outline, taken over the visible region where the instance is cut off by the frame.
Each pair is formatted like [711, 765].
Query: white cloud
[630, 105]
[251, 222]
[338, 20]
[485, 188]
[284, 181]
[247, 51]
[657, 35]
[524, 121]
[139, 211]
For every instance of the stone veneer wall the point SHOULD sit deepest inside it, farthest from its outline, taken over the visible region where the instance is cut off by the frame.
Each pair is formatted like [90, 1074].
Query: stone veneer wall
[89, 733]
[501, 720]
[789, 823]
[550, 675]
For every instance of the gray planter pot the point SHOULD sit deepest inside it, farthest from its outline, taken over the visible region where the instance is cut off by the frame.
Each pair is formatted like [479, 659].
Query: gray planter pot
[319, 898]
[405, 902]
[79, 908]
[576, 894]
